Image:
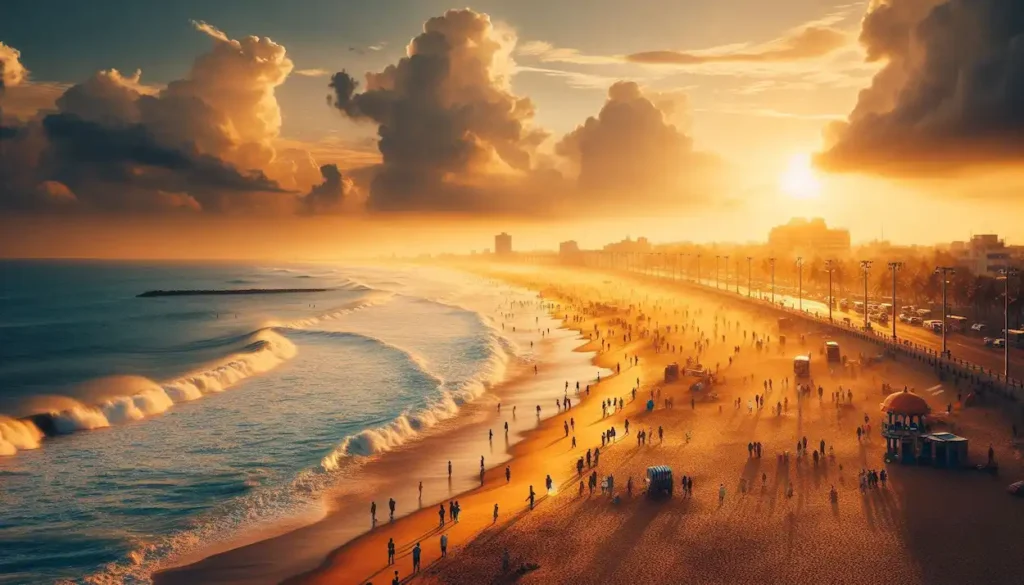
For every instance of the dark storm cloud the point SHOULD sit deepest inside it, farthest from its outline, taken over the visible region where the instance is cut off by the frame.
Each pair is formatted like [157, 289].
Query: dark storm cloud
[203, 142]
[329, 196]
[630, 148]
[950, 95]
[447, 119]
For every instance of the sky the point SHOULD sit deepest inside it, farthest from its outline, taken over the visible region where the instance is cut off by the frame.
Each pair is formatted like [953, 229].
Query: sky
[342, 127]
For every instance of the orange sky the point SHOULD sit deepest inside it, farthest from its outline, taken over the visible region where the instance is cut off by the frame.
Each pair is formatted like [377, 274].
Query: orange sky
[727, 127]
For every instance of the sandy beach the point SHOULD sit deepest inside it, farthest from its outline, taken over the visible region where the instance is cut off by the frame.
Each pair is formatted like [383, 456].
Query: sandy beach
[925, 526]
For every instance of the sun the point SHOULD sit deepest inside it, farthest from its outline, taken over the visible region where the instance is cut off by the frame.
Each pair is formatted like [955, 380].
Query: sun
[799, 181]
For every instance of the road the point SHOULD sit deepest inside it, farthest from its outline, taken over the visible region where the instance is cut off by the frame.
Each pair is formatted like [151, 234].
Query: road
[960, 346]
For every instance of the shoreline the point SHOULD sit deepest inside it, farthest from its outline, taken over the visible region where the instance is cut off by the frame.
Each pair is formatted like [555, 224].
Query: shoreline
[583, 527]
[226, 562]
[362, 555]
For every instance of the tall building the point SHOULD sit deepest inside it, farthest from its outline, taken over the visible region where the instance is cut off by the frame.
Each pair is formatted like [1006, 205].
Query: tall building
[503, 244]
[569, 253]
[810, 237]
[984, 254]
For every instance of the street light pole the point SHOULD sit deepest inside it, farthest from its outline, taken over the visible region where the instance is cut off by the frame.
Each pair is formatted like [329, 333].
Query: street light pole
[749, 278]
[737, 276]
[771, 261]
[894, 267]
[726, 273]
[945, 271]
[866, 266]
[828, 268]
[800, 283]
[1005, 275]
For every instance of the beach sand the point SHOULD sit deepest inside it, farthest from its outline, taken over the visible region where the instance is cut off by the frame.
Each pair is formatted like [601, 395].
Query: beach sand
[926, 526]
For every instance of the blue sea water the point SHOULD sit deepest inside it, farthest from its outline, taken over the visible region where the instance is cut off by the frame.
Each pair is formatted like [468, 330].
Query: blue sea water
[181, 420]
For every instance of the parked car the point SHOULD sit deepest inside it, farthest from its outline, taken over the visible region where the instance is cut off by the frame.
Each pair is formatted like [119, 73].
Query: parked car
[916, 321]
[994, 342]
[906, 318]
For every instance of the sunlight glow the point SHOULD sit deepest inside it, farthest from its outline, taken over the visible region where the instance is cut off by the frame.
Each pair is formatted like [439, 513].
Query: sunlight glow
[800, 181]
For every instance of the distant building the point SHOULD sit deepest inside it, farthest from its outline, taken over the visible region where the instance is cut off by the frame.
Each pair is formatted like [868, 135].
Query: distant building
[984, 254]
[811, 237]
[628, 245]
[569, 253]
[503, 244]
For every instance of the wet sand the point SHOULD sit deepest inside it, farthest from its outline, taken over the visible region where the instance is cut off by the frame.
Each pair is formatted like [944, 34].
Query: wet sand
[926, 526]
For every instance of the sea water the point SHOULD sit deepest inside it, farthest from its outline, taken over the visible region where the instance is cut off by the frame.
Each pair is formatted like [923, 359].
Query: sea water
[174, 422]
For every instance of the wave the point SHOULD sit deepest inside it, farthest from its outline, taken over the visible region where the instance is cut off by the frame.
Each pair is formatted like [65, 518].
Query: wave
[411, 423]
[132, 398]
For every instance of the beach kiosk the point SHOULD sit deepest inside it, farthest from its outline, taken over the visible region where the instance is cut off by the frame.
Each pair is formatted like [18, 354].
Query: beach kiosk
[904, 426]
[944, 450]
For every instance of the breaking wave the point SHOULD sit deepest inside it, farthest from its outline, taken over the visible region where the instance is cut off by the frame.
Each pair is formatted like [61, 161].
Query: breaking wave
[441, 406]
[133, 398]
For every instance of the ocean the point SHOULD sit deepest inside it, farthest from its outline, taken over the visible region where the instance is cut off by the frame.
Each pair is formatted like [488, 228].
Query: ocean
[169, 426]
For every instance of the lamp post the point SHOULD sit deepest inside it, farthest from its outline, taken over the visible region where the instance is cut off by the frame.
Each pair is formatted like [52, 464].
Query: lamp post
[829, 269]
[800, 283]
[737, 276]
[771, 262]
[894, 267]
[945, 271]
[1004, 275]
[717, 258]
[866, 266]
[749, 278]
[726, 272]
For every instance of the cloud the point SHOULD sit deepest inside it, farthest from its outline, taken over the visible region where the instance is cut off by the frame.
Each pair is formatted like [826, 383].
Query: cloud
[546, 52]
[949, 95]
[448, 122]
[312, 72]
[204, 142]
[12, 72]
[804, 43]
[630, 152]
[573, 78]
[330, 195]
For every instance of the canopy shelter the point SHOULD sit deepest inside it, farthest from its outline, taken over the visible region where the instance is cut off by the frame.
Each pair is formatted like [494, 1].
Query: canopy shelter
[904, 424]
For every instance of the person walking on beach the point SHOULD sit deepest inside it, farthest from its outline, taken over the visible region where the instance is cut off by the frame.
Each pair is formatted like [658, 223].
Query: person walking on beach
[548, 482]
[391, 506]
[440, 514]
[373, 513]
[391, 551]
[531, 497]
[721, 494]
[416, 558]
[421, 493]
[508, 474]
[444, 545]
[396, 580]
[495, 517]
[449, 469]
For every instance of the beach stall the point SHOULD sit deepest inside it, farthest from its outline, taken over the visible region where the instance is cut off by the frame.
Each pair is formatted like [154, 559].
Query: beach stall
[671, 372]
[943, 450]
